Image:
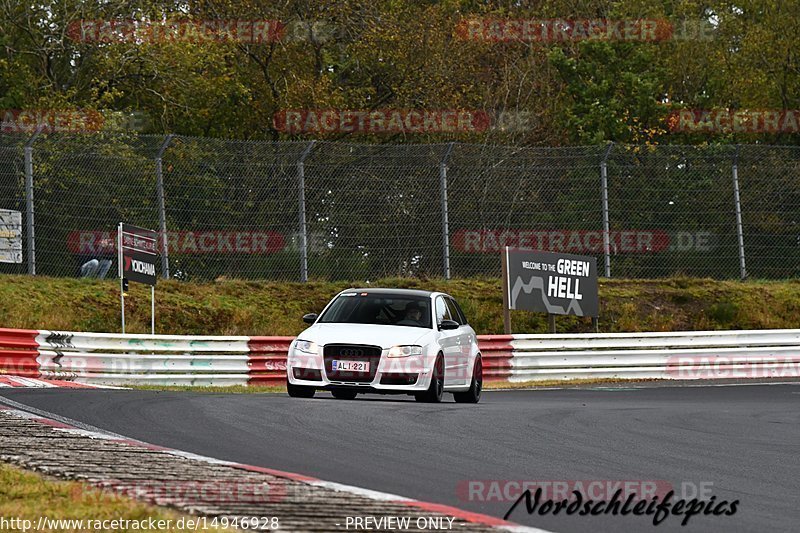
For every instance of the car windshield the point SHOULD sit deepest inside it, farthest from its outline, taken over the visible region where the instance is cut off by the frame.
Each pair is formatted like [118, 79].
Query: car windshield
[385, 309]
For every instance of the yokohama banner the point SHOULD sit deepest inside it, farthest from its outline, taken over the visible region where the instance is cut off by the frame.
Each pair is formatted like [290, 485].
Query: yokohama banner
[137, 258]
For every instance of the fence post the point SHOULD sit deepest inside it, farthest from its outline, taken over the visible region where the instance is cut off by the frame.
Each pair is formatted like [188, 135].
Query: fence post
[301, 179]
[445, 214]
[738, 205]
[162, 213]
[29, 213]
[606, 225]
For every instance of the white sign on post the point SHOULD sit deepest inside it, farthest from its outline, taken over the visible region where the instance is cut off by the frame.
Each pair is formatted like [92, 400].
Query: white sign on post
[136, 254]
[10, 236]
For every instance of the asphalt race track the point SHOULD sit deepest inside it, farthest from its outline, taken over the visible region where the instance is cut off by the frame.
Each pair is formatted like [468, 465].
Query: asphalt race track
[740, 442]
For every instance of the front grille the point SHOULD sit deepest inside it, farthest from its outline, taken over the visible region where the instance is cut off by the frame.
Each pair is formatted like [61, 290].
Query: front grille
[351, 352]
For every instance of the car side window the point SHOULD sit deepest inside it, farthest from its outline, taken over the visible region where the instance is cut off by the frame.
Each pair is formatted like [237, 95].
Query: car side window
[442, 312]
[455, 311]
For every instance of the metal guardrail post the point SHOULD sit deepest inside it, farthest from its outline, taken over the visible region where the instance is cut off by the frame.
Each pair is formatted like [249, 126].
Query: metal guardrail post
[738, 205]
[445, 213]
[606, 224]
[29, 205]
[162, 213]
[301, 179]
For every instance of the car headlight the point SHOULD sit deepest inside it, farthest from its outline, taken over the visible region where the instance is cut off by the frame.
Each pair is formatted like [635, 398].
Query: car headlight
[404, 351]
[307, 347]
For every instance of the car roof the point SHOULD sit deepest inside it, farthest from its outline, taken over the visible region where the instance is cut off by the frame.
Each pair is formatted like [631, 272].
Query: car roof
[393, 292]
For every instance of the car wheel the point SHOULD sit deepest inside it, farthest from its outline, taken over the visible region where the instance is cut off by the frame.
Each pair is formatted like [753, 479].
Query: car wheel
[343, 394]
[473, 395]
[299, 391]
[436, 388]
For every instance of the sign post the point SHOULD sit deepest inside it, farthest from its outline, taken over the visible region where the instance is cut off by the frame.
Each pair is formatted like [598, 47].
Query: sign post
[552, 283]
[137, 252]
[10, 236]
[506, 303]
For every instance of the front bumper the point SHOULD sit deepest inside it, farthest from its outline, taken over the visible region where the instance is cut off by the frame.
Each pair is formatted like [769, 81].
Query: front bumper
[396, 374]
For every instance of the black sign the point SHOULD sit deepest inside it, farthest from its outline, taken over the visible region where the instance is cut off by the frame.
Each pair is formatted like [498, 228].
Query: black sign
[559, 284]
[138, 252]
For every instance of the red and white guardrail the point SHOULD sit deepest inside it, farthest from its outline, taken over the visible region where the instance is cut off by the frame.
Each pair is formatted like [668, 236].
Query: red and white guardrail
[771, 354]
[115, 359]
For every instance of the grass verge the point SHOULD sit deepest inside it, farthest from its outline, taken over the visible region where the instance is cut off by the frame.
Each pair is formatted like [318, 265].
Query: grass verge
[237, 307]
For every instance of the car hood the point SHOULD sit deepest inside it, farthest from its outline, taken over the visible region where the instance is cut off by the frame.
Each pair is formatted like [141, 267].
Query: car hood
[374, 334]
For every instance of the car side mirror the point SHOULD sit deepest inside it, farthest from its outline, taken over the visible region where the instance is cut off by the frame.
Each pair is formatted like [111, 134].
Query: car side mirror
[310, 318]
[449, 324]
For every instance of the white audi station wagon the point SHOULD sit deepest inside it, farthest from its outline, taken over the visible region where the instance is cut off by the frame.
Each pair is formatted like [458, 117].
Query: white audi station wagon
[387, 341]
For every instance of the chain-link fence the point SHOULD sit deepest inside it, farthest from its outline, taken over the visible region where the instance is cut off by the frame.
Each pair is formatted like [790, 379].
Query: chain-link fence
[321, 210]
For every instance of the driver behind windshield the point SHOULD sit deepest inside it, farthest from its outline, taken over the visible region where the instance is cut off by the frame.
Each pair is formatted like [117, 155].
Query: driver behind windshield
[413, 315]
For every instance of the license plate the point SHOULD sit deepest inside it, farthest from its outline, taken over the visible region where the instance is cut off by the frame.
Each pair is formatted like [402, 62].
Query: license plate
[350, 366]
